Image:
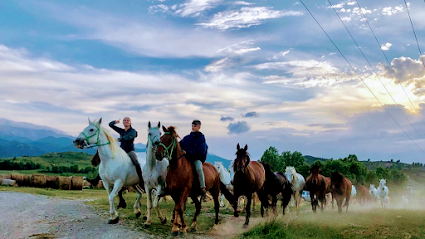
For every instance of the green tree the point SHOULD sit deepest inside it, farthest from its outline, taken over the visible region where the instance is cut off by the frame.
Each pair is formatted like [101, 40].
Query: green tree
[271, 157]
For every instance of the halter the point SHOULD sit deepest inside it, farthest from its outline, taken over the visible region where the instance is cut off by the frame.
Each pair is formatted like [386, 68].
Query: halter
[98, 136]
[149, 138]
[171, 146]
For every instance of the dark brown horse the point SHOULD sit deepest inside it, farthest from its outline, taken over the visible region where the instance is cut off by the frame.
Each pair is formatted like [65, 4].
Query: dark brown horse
[316, 184]
[249, 178]
[341, 189]
[363, 194]
[286, 192]
[182, 180]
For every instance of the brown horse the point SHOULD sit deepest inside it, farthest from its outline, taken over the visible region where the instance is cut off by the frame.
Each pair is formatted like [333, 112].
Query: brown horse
[249, 178]
[328, 191]
[363, 194]
[182, 181]
[341, 188]
[316, 184]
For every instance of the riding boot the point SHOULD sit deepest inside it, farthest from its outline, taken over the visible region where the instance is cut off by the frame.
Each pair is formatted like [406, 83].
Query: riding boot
[133, 157]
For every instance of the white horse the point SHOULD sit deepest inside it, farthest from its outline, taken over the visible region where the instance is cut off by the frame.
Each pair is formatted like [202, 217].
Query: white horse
[224, 178]
[383, 192]
[353, 191]
[297, 181]
[373, 192]
[154, 174]
[116, 169]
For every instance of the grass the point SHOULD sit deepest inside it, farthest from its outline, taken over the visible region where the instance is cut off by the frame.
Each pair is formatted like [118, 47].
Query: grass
[357, 223]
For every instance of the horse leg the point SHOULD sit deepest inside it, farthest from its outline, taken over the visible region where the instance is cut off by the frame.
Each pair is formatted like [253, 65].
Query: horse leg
[347, 202]
[274, 205]
[148, 206]
[236, 205]
[248, 210]
[136, 205]
[114, 215]
[215, 195]
[197, 211]
[313, 202]
[339, 203]
[122, 203]
[155, 205]
[222, 200]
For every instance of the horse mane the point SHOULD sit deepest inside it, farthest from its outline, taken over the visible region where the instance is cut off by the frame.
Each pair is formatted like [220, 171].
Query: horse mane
[172, 131]
[337, 177]
[117, 152]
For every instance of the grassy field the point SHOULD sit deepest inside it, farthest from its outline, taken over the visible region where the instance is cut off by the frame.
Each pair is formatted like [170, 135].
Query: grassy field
[359, 222]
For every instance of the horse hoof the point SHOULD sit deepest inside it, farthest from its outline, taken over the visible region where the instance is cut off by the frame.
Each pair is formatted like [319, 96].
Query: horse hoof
[164, 221]
[114, 221]
[138, 214]
[146, 226]
[245, 225]
[174, 234]
[145, 218]
[236, 214]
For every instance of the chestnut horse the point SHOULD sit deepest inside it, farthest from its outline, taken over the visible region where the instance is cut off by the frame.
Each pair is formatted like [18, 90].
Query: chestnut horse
[249, 178]
[316, 184]
[341, 188]
[363, 194]
[182, 180]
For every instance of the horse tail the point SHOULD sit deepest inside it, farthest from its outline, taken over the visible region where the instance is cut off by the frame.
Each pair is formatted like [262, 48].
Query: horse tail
[227, 194]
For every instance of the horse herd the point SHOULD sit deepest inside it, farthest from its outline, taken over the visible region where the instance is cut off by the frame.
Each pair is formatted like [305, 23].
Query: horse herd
[167, 168]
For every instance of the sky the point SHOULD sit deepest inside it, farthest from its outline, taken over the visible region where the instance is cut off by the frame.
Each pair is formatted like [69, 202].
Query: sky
[260, 73]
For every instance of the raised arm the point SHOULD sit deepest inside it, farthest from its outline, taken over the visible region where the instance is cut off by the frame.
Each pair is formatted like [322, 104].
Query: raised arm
[117, 129]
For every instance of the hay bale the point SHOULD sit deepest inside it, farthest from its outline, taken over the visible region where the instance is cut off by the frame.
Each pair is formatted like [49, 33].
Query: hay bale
[64, 183]
[52, 182]
[8, 182]
[38, 180]
[5, 177]
[19, 178]
[27, 179]
[86, 184]
[100, 185]
[77, 183]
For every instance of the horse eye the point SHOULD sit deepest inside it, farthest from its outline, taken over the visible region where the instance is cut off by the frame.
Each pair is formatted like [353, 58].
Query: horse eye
[91, 130]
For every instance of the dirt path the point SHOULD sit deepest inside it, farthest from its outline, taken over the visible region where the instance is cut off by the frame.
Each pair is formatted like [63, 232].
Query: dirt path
[29, 216]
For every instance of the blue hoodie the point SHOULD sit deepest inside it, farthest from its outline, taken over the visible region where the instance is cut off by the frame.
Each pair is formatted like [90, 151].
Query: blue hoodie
[195, 146]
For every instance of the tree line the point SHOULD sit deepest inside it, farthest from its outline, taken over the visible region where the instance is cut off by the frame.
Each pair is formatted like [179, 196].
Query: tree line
[349, 166]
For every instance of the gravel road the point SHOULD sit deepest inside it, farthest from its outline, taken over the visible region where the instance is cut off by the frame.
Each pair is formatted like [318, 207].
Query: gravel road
[25, 215]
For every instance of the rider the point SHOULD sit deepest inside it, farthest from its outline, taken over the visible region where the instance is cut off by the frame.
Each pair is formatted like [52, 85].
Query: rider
[126, 138]
[195, 148]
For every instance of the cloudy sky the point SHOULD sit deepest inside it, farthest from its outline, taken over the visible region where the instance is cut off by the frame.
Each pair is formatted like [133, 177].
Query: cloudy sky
[260, 73]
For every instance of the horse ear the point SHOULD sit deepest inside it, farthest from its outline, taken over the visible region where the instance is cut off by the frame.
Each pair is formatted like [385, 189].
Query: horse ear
[149, 125]
[165, 129]
[100, 120]
[246, 147]
[159, 124]
[89, 120]
[238, 147]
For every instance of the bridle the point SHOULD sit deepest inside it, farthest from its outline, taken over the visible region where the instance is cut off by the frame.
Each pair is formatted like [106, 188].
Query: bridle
[97, 144]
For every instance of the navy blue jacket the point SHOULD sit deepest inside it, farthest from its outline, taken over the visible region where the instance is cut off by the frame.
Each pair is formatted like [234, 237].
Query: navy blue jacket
[126, 137]
[195, 146]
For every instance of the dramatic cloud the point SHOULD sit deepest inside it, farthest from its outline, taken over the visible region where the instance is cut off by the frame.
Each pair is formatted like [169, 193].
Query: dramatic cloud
[238, 127]
[228, 118]
[245, 17]
[251, 114]
[406, 69]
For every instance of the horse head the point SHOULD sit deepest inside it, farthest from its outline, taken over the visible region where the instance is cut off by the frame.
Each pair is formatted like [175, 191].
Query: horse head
[90, 135]
[154, 136]
[242, 159]
[291, 174]
[168, 144]
[382, 182]
[315, 171]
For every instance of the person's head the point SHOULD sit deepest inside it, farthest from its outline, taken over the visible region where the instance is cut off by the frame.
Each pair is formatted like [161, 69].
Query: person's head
[196, 125]
[126, 122]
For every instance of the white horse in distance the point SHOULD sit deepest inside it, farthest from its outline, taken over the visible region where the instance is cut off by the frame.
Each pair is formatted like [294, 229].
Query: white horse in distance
[297, 181]
[383, 192]
[224, 178]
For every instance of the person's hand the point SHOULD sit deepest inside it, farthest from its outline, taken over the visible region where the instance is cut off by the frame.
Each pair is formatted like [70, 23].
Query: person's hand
[184, 152]
[117, 121]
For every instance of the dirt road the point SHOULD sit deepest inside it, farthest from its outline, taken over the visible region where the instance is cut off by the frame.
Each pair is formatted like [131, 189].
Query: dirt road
[29, 216]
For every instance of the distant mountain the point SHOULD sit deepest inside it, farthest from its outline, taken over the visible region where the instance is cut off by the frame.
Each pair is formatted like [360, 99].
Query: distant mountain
[21, 131]
[311, 159]
[139, 147]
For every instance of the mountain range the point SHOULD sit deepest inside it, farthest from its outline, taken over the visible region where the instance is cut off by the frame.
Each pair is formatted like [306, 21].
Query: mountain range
[19, 139]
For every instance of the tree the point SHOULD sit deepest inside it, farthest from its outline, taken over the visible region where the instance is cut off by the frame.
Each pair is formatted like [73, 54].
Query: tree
[271, 157]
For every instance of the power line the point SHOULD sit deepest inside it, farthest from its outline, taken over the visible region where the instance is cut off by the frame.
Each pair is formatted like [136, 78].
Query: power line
[370, 65]
[388, 62]
[340, 52]
[414, 32]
